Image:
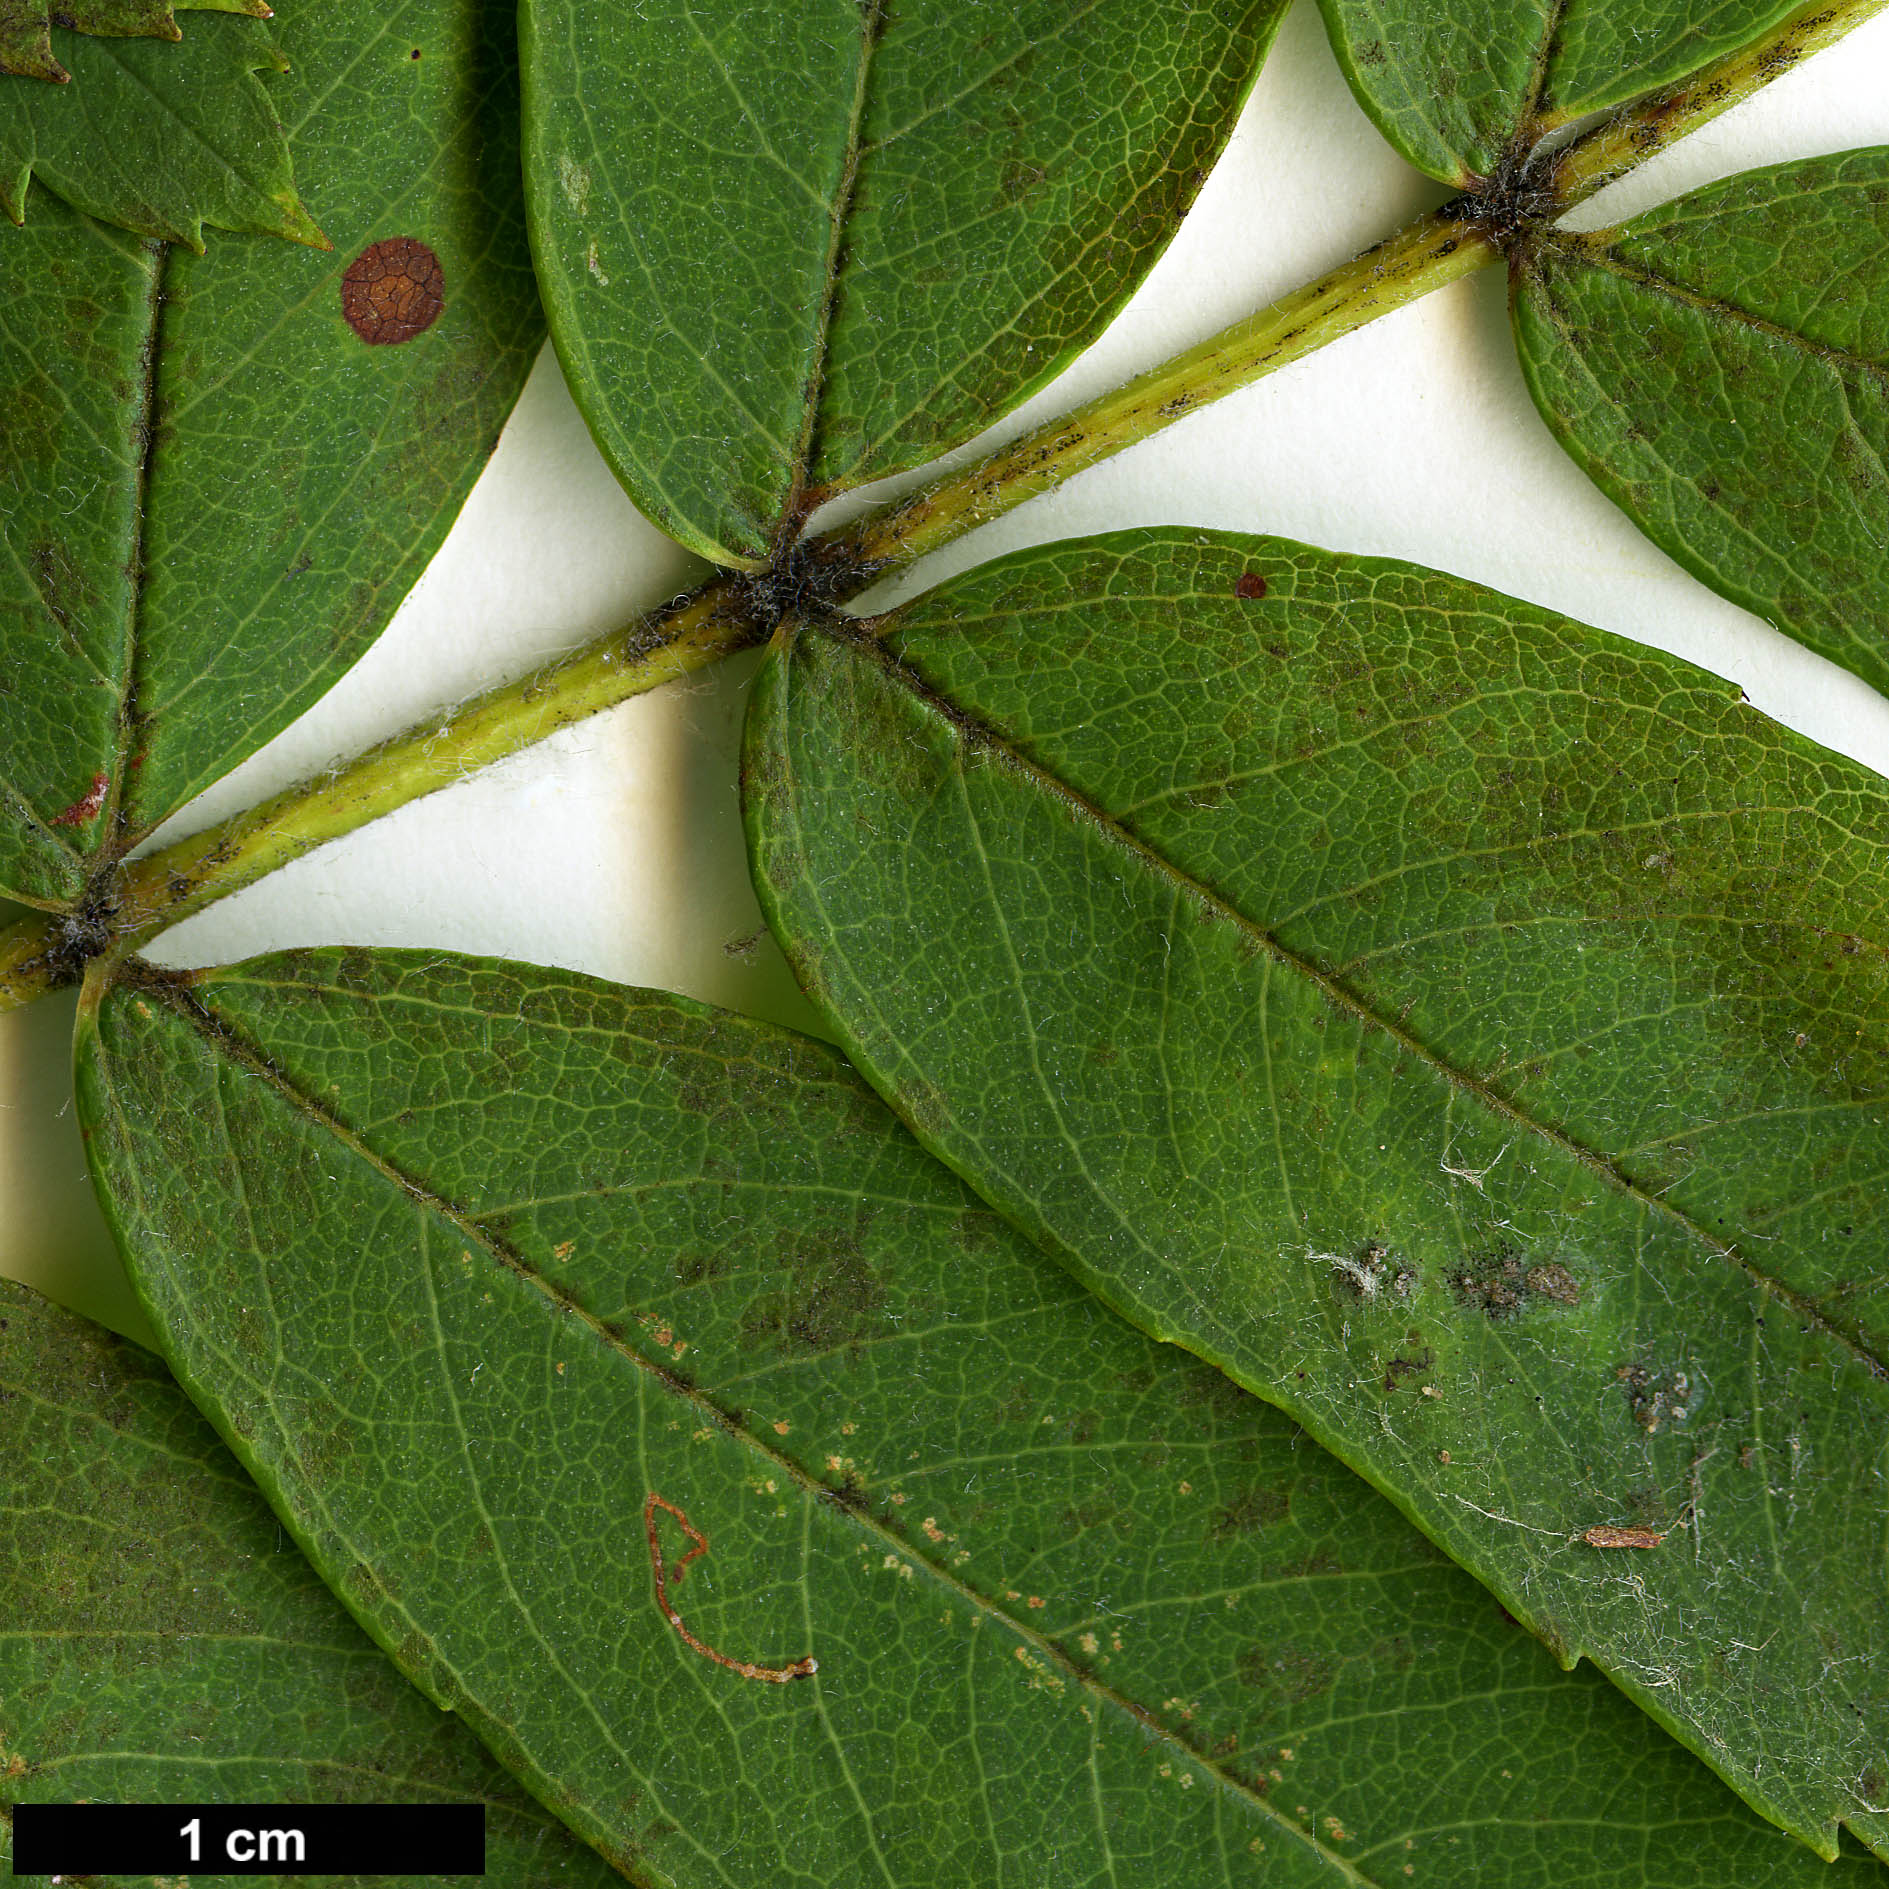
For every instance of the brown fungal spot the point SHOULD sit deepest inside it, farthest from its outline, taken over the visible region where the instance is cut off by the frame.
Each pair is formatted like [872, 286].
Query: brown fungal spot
[1398, 1369]
[1604, 1535]
[1654, 1399]
[393, 290]
[1256, 1506]
[1501, 1285]
[1285, 1675]
[1250, 586]
[86, 806]
[1553, 1282]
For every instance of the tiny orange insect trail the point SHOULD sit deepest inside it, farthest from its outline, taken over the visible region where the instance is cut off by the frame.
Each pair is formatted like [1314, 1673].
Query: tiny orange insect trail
[1603, 1535]
[773, 1675]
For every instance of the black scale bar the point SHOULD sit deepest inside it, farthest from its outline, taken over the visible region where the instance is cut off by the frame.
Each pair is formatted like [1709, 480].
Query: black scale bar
[249, 1839]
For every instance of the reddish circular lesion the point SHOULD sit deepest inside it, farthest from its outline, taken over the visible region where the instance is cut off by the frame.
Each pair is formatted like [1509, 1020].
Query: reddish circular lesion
[393, 290]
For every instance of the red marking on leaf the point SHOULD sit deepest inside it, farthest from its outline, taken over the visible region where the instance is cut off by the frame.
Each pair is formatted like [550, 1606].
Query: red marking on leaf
[773, 1675]
[1251, 585]
[86, 807]
[393, 290]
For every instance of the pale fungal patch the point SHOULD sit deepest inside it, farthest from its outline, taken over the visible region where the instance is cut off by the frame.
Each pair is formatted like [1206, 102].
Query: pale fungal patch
[1474, 1176]
[1363, 1274]
[574, 181]
[1041, 1677]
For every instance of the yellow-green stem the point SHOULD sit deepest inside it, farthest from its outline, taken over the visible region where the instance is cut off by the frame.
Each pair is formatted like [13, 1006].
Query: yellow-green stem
[1434, 250]
[155, 892]
[28, 948]
[1628, 137]
[39, 953]
[691, 635]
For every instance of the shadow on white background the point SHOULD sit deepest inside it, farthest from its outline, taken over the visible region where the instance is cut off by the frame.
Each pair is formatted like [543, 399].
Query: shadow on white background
[615, 847]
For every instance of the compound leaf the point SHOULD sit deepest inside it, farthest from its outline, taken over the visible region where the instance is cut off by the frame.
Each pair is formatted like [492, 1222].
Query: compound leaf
[220, 473]
[483, 1268]
[160, 139]
[1720, 368]
[1462, 1026]
[793, 246]
[160, 1640]
[1459, 89]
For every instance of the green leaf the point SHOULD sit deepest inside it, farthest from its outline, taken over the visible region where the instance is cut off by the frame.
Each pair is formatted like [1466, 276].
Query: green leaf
[1720, 368]
[793, 246]
[213, 491]
[474, 1260]
[1333, 961]
[1459, 89]
[26, 28]
[160, 1641]
[159, 139]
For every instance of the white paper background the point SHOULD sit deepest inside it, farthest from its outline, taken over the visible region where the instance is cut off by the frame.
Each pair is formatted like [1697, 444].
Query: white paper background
[615, 847]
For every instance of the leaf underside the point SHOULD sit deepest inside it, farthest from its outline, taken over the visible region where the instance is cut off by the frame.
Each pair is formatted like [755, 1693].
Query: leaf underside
[1457, 89]
[26, 27]
[159, 139]
[161, 1642]
[472, 1260]
[1720, 367]
[1462, 1026]
[213, 491]
[791, 247]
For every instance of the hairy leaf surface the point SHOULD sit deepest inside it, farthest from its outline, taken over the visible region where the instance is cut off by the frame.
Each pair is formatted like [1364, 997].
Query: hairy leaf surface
[793, 246]
[481, 1258]
[1456, 89]
[161, 1641]
[159, 139]
[1720, 368]
[213, 490]
[1462, 1026]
